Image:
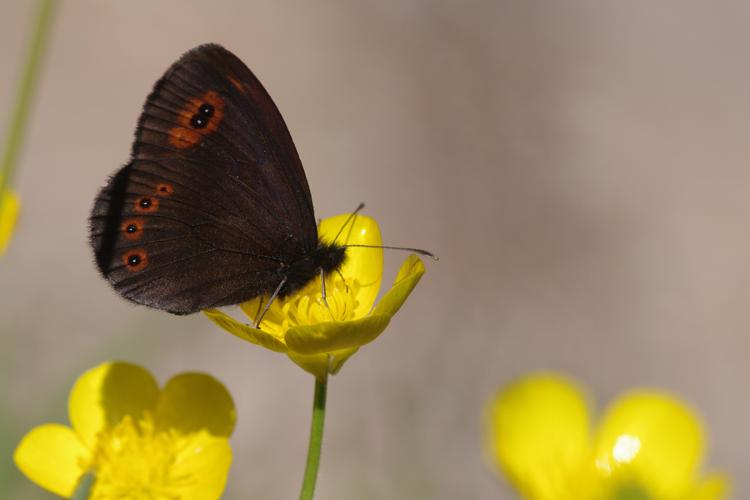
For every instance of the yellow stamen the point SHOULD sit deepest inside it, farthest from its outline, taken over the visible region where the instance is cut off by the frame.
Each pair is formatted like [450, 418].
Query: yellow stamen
[307, 306]
[134, 460]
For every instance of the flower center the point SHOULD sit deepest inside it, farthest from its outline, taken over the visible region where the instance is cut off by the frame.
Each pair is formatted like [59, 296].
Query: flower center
[134, 461]
[307, 306]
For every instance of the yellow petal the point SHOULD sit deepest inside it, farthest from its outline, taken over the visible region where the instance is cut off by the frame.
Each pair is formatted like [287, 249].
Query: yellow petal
[321, 365]
[245, 332]
[9, 207]
[53, 457]
[364, 264]
[206, 460]
[714, 487]
[408, 276]
[192, 402]
[333, 336]
[273, 320]
[339, 358]
[652, 439]
[317, 364]
[105, 394]
[538, 433]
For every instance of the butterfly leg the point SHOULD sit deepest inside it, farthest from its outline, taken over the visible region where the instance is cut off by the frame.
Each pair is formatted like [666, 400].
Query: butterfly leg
[260, 307]
[257, 311]
[323, 293]
[268, 304]
[323, 288]
[342, 279]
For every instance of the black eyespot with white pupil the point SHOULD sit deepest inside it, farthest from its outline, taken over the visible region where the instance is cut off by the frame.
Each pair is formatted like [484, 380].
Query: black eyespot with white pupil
[131, 228]
[206, 110]
[134, 260]
[145, 203]
[200, 119]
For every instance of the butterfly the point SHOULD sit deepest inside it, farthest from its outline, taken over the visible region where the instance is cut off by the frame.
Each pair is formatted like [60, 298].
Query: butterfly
[213, 207]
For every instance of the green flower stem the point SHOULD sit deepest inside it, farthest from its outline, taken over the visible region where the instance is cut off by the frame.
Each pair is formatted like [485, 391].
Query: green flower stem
[316, 439]
[84, 488]
[26, 88]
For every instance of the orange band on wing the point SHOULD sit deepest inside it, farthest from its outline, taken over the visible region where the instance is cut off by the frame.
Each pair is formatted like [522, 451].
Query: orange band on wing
[236, 83]
[181, 137]
[187, 134]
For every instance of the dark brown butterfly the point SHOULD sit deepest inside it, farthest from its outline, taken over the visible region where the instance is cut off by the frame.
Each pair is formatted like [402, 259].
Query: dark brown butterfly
[213, 207]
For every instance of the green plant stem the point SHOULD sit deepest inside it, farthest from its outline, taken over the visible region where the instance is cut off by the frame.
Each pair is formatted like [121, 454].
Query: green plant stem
[26, 88]
[316, 439]
[83, 491]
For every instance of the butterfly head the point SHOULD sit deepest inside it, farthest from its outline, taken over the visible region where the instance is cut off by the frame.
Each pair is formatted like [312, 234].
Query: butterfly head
[329, 257]
[326, 257]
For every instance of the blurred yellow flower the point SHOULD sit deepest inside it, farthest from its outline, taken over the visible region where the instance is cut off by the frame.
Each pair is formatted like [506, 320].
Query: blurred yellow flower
[136, 440]
[9, 205]
[321, 338]
[647, 446]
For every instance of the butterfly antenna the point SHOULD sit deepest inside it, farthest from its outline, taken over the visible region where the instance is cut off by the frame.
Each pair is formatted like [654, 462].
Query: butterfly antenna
[408, 249]
[415, 250]
[348, 220]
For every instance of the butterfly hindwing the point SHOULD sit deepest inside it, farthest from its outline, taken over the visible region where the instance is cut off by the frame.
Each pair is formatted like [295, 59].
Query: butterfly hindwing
[214, 201]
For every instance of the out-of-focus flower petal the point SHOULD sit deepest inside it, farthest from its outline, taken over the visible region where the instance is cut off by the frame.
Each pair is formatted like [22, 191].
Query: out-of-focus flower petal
[206, 460]
[539, 435]
[194, 402]
[52, 456]
[9, 208]
[653, 439]
[712, 487]
[648, 445]
[103, 395]
[137, 441]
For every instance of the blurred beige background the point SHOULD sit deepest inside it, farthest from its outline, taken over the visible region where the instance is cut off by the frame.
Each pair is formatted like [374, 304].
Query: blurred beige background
[580, 167]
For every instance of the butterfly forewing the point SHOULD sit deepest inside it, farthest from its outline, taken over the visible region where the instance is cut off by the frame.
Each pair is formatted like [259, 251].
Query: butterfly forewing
[214, 201]
[245, 137]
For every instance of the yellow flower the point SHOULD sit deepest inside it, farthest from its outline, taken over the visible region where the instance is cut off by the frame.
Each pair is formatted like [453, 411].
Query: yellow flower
[136, 440]
[647, 446]
[321, 338]
[9, 205]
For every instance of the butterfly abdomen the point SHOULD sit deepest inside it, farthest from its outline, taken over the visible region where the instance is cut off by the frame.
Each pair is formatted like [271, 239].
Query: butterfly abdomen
[326, 257]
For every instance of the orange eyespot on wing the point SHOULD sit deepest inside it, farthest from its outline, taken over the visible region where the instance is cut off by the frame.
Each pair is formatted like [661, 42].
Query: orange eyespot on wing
[200, 116]
[132, 229]
[205, 113]
[146, 204]
[164, 189]
[135, 260]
